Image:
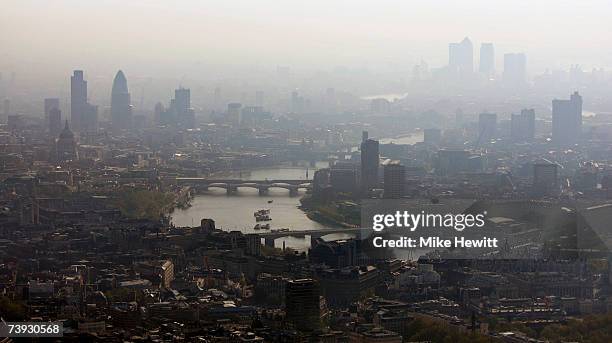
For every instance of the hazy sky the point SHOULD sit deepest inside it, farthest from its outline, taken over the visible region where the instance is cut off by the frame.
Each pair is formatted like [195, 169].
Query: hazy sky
[150, 35]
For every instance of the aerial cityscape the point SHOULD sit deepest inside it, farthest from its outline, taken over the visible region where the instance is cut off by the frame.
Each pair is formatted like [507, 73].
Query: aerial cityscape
[450, 189]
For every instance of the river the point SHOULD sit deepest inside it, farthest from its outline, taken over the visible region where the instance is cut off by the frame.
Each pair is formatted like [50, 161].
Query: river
[235, 212]
[409, 139]
[387, 96]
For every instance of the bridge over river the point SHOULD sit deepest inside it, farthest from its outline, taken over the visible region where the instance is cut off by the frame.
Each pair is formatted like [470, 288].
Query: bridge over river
[269, 236]
[232, 185]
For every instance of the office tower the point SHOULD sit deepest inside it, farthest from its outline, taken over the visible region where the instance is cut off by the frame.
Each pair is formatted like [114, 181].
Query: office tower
[78, 98]
[522, 126]
[54, 119]
[49, 104]
[182, 106]
[364, 136]
[529, 123]
[89, 118]
[179, 113]
[343, 178]
[253, 244]
[334, 254]
[159, 113]
[233, 113]
[487, 59]
[515, 69]
[545, 178]
[83, 115]
[432, 136]
[395, 180]
[303, 304]
[66, 145]
[250, 115]
[487, 127]
[517, 125]
[567, 120]
[461, 57]
[183, 99]
[369, 165]
[188, 119]
[121, 108]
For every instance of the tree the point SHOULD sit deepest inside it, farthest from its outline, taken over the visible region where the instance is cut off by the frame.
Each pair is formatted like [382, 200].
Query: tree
[11, 310]
[145, 204]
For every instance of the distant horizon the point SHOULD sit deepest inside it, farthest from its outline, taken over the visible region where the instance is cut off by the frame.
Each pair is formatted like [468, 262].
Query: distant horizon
[156, 37]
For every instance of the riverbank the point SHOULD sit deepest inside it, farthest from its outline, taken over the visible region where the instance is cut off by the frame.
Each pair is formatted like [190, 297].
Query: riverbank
[333, 214]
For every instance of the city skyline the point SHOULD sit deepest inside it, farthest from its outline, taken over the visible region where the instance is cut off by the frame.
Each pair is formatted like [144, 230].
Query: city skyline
[321, 38]
[306, 171]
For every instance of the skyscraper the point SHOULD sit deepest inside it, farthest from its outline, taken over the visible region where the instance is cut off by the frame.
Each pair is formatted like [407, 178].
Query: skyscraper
[303, 304]
[51, 104]
[395, 180]
[461, 57]
[89, 118]
[522, 126]
[121, 108]
[183, 99]
[159, 114]
[182, 106]
[78, 98]
[369, 164]
[515, 69]
[567, 120]
[487, 59]
[83, 115]
[54, 119]
[487, 127]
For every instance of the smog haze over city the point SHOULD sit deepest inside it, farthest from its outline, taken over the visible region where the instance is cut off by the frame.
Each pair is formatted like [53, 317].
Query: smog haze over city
[201, 43]
[306, 171]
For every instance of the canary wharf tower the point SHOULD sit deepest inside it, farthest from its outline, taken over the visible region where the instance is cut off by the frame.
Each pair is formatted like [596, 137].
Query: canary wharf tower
[121, 108]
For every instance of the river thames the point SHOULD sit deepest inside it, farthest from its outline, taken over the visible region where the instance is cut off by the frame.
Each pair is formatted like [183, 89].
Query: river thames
[235, 212]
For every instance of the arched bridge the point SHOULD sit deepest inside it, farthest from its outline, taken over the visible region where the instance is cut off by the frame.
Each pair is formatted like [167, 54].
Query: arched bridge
[232, 185]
